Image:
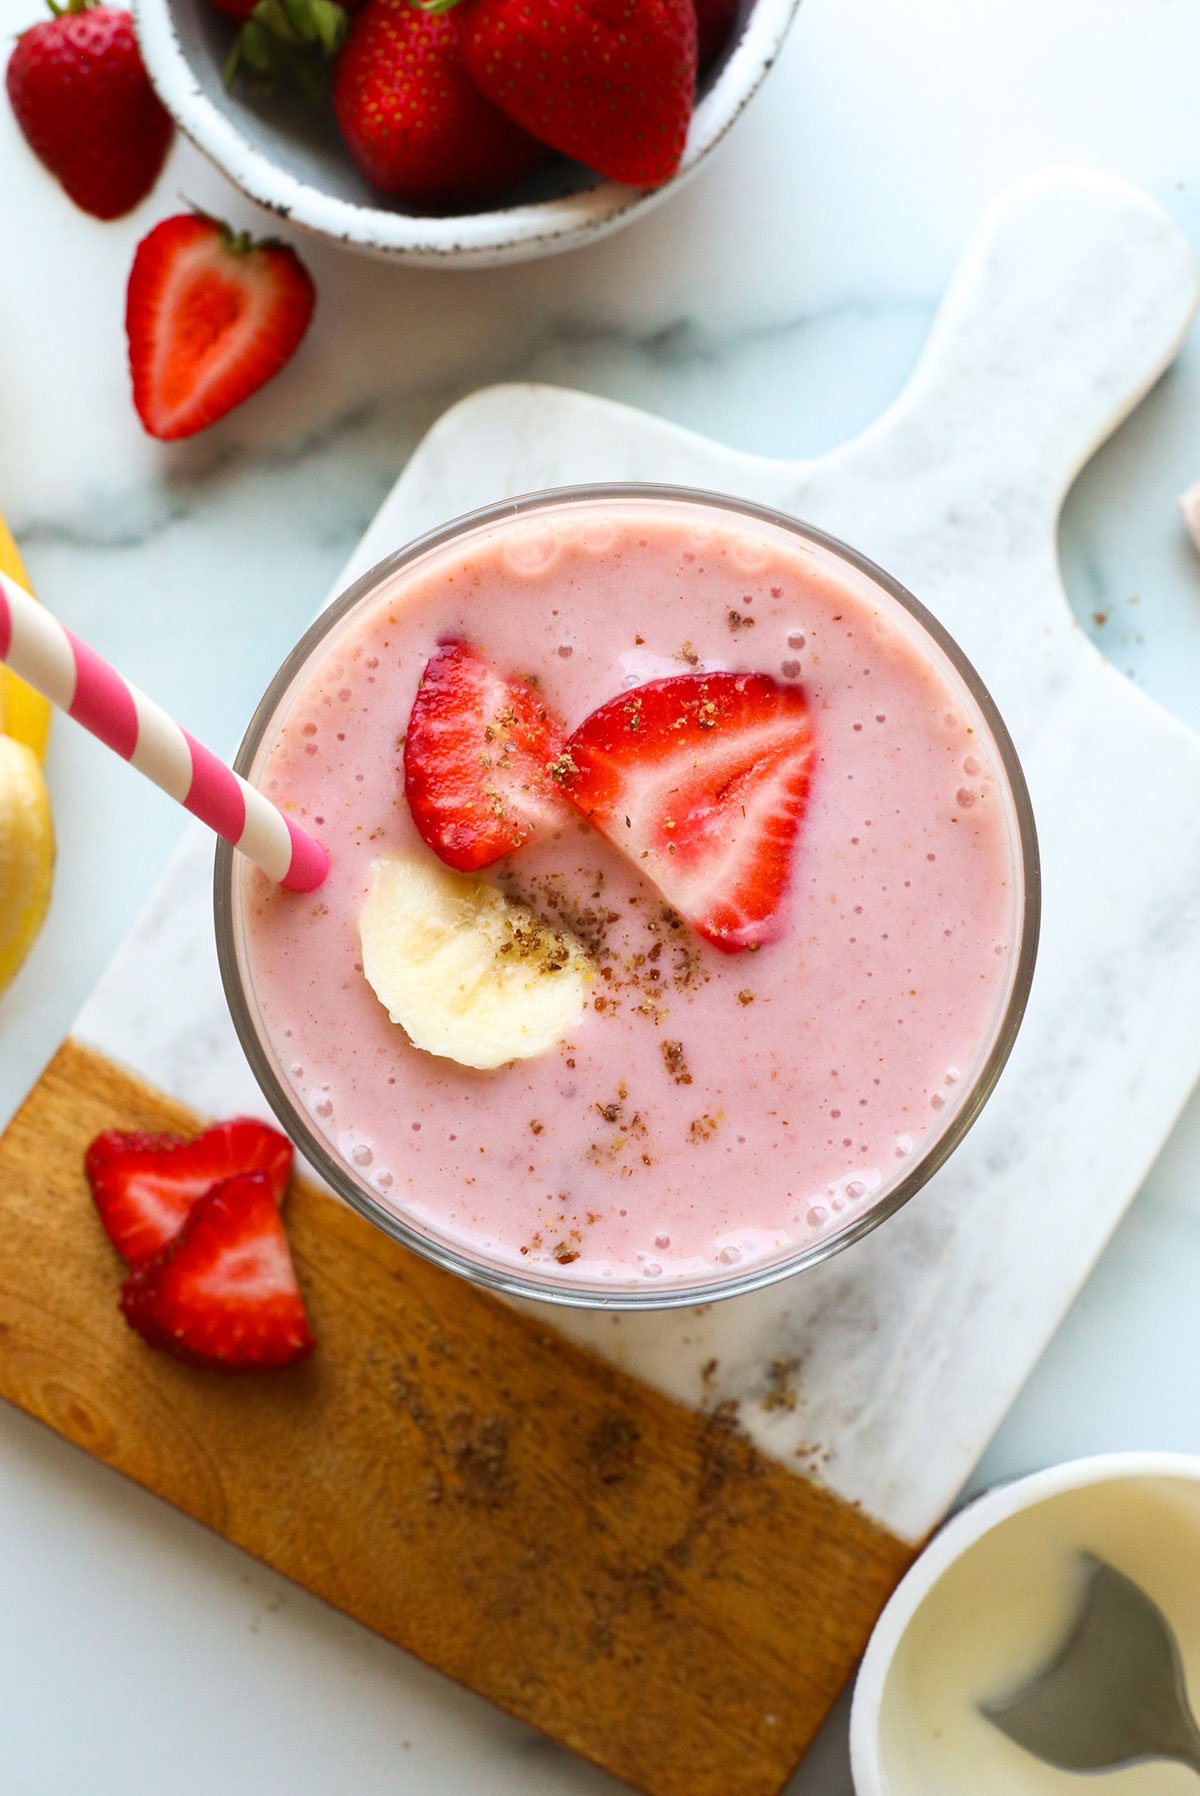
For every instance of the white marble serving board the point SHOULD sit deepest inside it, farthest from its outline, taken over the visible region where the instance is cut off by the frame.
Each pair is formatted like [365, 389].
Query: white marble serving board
[907, 1349]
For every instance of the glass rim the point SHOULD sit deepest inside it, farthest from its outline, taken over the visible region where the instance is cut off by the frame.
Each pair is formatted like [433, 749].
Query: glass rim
[511, 1282]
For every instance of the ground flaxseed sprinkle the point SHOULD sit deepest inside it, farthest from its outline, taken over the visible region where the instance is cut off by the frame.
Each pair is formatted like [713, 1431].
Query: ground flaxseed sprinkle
[781, 1392]
[562, 768]
[630, 974]
[704, 1128]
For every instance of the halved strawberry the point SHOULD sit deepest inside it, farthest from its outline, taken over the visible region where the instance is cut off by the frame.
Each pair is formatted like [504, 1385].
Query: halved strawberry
[145, 1185]
[211, 316]
[481, 760]
[702, 780]
[224, 1292]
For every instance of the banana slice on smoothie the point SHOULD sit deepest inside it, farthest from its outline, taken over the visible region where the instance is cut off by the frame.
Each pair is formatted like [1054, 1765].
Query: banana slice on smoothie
[465, 971]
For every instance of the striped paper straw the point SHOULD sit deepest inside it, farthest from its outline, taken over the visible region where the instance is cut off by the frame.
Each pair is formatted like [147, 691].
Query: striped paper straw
[73, 677]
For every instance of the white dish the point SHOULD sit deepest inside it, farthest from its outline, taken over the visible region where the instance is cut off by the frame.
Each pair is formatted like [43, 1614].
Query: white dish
[988, 1601]
[286, 155]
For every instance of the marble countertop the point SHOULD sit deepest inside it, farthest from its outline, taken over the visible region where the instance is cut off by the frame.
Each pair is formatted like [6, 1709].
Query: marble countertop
[777, 303]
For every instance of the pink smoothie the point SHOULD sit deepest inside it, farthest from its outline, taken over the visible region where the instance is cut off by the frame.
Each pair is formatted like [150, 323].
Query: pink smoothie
[710, 1111]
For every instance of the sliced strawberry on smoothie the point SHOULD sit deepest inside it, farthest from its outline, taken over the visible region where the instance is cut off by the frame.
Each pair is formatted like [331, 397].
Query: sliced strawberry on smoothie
[224, 1293]
[702, 779]
[145, 1186]
[482, 760]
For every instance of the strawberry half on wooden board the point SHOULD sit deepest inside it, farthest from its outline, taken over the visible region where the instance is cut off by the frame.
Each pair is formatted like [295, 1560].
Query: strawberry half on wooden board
[145, 1186]
[86, 107]
[610, 82]
[413, 120]
[224, 1293]
[702, 780]
[481, 760]
[211, 316]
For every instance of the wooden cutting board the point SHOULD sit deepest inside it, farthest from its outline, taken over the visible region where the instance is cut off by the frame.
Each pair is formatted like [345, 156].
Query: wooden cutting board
[667, 1551]
[630, 1575]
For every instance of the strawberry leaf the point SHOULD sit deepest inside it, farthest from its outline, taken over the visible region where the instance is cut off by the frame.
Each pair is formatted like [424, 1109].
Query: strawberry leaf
[288, 40]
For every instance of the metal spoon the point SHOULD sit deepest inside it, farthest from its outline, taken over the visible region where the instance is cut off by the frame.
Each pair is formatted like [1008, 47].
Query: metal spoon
[1114, 1694]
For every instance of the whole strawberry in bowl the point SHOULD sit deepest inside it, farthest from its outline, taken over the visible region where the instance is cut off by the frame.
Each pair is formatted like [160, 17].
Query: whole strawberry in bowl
[458, 132]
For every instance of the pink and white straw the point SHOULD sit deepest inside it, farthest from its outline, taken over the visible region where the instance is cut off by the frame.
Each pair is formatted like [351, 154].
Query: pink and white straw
[73, 677]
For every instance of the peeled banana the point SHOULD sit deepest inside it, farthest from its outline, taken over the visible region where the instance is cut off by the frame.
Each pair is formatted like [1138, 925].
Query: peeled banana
[466, 972]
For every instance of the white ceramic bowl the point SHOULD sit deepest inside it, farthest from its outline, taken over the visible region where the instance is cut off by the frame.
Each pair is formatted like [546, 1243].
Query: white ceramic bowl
[879, 1693]
[287, 155]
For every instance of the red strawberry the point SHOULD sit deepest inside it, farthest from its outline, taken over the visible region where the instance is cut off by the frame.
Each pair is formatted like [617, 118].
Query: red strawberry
[210, 317]
[145, 1185]
[413, 120]
[86, 107]
[610, 82]
[224, 1293]
[702, 780]
[714, 26]
[480, 760]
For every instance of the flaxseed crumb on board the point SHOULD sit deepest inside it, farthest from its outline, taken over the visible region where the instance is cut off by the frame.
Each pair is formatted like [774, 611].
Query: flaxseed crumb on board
[612, 1446]
[781, 1392]
[479, 1452]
